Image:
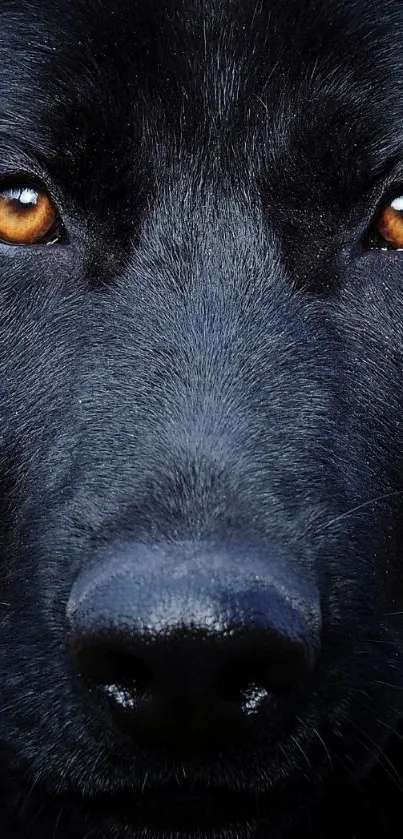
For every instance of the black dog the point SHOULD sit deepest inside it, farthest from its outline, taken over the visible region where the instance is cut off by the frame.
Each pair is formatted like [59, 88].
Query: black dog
[201, 401]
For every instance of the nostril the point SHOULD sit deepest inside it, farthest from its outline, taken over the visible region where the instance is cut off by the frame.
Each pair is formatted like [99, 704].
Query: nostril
[244, 686]
[240, 678]
[253, 680]
[122, 677]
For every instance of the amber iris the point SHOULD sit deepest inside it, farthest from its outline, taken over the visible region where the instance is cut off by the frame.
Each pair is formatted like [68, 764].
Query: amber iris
[27, 215]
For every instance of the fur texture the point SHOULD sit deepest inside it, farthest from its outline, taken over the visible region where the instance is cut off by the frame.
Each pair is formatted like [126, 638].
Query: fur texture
[211, 351]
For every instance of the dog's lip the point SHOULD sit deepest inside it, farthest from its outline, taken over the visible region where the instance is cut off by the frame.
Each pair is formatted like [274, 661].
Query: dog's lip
[185, 808]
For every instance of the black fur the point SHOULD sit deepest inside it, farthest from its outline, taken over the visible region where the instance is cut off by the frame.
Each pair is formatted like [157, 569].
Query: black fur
[212, 351]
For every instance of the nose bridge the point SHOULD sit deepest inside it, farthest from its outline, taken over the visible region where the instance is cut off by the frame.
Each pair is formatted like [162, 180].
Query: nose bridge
[201, 410]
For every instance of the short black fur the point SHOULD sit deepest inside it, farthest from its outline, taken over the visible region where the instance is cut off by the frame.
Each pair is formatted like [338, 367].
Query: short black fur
[211, 354]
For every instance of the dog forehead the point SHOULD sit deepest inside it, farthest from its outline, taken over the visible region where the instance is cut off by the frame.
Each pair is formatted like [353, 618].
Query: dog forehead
[216, 46]
[254, 75]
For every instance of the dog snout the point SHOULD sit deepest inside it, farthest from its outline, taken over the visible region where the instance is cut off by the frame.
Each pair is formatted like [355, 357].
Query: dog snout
[184, 648]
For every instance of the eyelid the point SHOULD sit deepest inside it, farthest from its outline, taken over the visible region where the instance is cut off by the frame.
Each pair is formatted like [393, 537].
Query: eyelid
[10, 179]
[18, 164]
[379, 189]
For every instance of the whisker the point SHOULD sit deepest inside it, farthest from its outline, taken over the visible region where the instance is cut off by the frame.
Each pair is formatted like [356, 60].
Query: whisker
[353, 510]
[387, 685]
[301, 750]
[383, 760]
[55, 832]
[321, 740]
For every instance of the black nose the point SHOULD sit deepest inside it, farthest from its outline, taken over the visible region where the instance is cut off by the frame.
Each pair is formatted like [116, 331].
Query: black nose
[186, 647]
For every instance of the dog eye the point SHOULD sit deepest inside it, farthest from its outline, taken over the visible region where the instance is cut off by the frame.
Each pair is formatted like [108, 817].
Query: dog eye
[28, 215]
[387, 233]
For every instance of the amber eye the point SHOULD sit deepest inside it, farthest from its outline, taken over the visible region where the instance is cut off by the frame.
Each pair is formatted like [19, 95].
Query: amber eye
[27, 215]
[389, 226]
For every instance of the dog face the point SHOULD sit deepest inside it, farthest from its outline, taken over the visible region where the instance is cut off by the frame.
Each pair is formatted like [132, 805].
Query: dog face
[201, 342]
